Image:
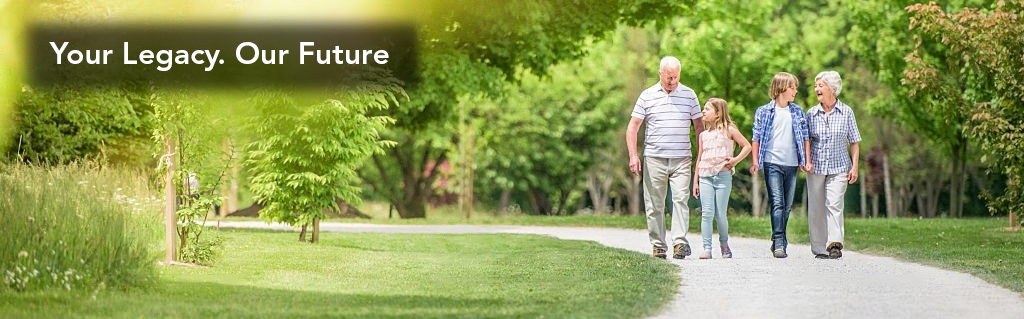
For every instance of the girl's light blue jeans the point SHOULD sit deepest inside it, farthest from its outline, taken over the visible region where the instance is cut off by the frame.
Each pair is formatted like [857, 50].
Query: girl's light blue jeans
[714, 200]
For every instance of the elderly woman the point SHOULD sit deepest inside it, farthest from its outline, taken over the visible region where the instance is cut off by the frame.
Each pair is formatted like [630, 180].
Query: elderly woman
[834, 136]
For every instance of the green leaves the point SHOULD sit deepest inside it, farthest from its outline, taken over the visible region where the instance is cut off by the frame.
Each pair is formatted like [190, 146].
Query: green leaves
[303, 157]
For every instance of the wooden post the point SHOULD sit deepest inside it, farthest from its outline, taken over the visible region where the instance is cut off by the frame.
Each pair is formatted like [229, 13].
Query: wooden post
[170, 205]
[1013, 220]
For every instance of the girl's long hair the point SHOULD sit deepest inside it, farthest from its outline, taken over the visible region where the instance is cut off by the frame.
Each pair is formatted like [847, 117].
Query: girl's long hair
[722, 110]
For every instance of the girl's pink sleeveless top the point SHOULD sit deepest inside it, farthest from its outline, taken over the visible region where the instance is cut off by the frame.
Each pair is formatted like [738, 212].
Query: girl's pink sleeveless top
[718, 148]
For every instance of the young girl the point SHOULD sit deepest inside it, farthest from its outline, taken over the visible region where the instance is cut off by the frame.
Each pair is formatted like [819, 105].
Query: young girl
[715, 163]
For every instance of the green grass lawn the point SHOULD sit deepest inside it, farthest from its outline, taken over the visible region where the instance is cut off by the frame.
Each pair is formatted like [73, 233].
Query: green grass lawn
[979, 246]
[270, 274]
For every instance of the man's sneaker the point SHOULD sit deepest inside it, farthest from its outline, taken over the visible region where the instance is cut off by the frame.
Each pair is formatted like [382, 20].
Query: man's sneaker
[835, 250]
[726, 252]
[780, 253]
[706, 254]
[822, 256]
[680, 251]
[660, 253]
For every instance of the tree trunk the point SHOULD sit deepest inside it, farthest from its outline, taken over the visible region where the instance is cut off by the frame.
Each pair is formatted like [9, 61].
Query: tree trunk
[890, 209]
[874, 205]
[954, 185]
[170, 202]
[468, 206]
[412, 208]
[1013, 220]
[635, 196]
[302, 234]
[863, 194]
[316, 230]
[506, 198]
[755, 191]
[540, 202]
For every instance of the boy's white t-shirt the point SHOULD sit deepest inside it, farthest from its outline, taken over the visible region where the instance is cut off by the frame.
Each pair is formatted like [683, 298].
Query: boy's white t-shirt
[783, 149]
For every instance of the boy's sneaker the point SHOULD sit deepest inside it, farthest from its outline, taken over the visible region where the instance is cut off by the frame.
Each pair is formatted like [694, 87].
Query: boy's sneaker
[660, 253]
[706, 254]
[680, 251]
[779, 253]
[726, 252]
[835, 250]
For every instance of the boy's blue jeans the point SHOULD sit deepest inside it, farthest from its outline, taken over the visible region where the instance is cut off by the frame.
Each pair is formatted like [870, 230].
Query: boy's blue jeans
[781, 183]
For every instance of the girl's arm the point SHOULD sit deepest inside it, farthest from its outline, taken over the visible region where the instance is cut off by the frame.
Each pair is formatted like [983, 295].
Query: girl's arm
[742, 141]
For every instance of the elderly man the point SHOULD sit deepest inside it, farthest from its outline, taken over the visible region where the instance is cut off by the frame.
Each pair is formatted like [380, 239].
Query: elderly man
[668, 109]
[834, 136]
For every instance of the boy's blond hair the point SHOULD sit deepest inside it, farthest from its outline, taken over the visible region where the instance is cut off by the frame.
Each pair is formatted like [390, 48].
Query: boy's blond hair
[781, 82]
[722, 109]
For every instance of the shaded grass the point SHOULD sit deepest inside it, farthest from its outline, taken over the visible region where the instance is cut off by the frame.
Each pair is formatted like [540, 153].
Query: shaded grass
[269, 274]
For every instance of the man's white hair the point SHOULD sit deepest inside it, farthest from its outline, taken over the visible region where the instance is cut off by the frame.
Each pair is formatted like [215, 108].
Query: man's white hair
[831, 79]
[669, 62]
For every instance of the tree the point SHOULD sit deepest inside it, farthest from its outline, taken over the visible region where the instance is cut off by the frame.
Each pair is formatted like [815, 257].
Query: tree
[982, 64]
[879, 37]
[542, 138]
[472, 47]
[304, 158]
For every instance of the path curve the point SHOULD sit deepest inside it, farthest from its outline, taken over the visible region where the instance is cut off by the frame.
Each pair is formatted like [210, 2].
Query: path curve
[755, 285]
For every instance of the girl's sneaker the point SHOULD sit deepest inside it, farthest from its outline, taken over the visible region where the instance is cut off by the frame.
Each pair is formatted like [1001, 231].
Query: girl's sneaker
[706, 254]
[726, 252]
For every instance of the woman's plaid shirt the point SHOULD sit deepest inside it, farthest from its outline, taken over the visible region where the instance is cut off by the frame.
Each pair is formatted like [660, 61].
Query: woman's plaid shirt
[831, 138]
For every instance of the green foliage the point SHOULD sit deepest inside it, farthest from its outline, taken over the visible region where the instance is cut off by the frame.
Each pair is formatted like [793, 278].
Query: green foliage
[543, 136]
[64, 124]
[303, 158]
[76, 228]
[985, 49]
[184, 120]
[469, 48]
[11, 65]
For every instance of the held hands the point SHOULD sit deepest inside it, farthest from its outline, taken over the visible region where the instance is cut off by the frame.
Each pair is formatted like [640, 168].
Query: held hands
[807, 168]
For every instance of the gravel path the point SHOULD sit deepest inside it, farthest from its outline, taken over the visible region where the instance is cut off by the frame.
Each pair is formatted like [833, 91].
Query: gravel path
[755, 285]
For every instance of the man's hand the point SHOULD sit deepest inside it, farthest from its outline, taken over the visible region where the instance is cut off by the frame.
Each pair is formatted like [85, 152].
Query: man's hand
[634, 165]
[809, 168]
[852, 175]
[753, 168]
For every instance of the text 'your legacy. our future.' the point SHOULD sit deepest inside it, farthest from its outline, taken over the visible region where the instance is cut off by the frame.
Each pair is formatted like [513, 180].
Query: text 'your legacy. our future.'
[245, 53]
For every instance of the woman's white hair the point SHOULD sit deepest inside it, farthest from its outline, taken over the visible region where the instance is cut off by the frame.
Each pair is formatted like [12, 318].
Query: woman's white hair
[669, 62]
[831, 79]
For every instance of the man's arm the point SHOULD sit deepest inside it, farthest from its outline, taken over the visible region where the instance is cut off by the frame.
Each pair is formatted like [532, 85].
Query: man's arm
[631, 132]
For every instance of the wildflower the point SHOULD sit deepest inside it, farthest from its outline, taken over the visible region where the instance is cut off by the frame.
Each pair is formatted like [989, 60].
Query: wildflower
[22, 254]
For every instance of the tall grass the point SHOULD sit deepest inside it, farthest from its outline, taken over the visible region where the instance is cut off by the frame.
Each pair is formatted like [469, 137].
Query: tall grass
[76, 227]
